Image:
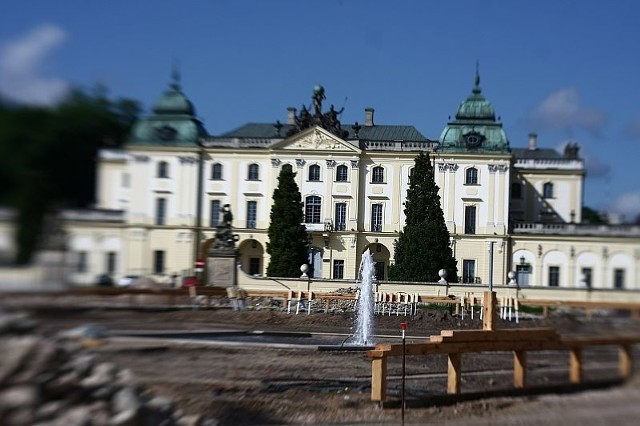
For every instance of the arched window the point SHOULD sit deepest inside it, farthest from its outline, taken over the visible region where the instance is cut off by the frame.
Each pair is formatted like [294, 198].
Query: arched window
[378, 175]
[314, 173]
[254, 172]
[342, 173]
[471, 176]
[547, 190]
[216, 171]
[163, 169]
[312, 208]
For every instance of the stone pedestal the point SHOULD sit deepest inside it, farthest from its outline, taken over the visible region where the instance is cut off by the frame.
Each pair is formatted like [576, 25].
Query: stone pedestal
[221, 270]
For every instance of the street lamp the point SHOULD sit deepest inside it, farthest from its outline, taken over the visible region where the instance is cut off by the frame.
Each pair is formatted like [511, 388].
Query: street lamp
[198, 225]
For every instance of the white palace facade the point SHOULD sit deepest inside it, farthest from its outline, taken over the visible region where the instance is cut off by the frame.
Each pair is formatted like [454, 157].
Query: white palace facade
[506, 208]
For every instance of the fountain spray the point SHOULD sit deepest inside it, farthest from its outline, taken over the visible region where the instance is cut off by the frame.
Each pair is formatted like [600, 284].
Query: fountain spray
[363, 335]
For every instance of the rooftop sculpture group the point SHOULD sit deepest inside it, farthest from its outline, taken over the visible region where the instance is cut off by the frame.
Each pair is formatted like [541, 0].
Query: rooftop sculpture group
[328, 120]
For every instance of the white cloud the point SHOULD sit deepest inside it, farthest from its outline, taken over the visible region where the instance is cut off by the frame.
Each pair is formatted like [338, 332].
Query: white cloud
[21, 63]
[563, 111]
[627, 204]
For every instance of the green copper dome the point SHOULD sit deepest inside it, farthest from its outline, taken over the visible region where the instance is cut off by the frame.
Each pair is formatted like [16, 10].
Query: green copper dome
[475, 128]
[173, 122]
[476, 107]
[173, 102]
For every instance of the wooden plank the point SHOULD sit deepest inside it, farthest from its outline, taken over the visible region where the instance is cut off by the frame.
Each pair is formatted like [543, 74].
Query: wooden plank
[585, 341]
[454, 372]
[575, 365]
[519, 369]
[498, 346]
[379, 379]
[496, 335]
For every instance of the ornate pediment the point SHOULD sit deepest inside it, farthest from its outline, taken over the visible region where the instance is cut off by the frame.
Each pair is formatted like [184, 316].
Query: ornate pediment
[316, 139]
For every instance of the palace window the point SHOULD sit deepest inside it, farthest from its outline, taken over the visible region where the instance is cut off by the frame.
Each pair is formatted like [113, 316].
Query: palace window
[216, 171]
[312, 209]
[618, 278]
[587, 274]
[252, 211]
[470, 219]
[379, 269]
[158, 262]
[163, 169]
[254, 172]
[338, 269]
[81, 266]
[554, 276]
[523, 272]
[340, 219]
[111, 263]
[214, 218]
[314, 173]
[342, 173]
[378, 175]
[516, 190]
[161, 211]
[468, 271]
[547, 190]
[254, 266]
[376, 217]
[471, 176]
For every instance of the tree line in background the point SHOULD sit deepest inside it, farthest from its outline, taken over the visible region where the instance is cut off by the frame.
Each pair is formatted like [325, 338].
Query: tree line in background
[48, 157]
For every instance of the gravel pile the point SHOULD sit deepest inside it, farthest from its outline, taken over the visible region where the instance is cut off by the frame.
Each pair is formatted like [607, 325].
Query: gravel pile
[58, 382]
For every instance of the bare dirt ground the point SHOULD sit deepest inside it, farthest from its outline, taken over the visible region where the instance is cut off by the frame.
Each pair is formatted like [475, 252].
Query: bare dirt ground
[289, 381]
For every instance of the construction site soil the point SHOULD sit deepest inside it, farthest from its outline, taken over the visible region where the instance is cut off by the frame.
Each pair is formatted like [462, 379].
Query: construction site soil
[278, 376]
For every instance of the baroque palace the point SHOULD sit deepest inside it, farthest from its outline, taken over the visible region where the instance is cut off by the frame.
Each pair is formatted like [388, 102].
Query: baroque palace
[507, 208]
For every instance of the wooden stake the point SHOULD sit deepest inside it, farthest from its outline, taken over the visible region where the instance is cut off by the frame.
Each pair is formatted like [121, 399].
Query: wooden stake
[519, 369]
[575, 365]
[453, 378]
[489, 310]
[626, 361]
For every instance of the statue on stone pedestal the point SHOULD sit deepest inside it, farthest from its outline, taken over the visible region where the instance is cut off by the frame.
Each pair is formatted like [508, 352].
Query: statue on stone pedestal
[225, 238]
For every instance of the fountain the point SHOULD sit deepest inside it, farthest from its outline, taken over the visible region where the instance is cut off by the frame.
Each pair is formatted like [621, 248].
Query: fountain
[362, 338]
[363, 335]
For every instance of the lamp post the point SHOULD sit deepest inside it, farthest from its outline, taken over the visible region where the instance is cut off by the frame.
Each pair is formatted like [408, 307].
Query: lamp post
[198, 224]
[490, 248]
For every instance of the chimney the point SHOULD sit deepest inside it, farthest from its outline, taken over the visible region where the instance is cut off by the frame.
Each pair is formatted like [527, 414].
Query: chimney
[368, 117]
[533, 141]
[291, 115]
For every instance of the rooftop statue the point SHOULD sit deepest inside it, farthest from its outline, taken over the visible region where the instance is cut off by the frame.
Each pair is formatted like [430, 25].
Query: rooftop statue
[328, 120]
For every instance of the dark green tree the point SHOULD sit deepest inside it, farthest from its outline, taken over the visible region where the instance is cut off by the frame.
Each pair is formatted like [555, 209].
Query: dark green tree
[288, 245]
[47, 157]
[593, 217]
[423, 245]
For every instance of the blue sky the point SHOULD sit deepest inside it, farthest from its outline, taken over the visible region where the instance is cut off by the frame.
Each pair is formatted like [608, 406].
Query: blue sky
[567, 70]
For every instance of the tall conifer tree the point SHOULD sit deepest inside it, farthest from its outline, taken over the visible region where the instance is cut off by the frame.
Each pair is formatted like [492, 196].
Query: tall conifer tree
[423, 245]
[288, 245]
